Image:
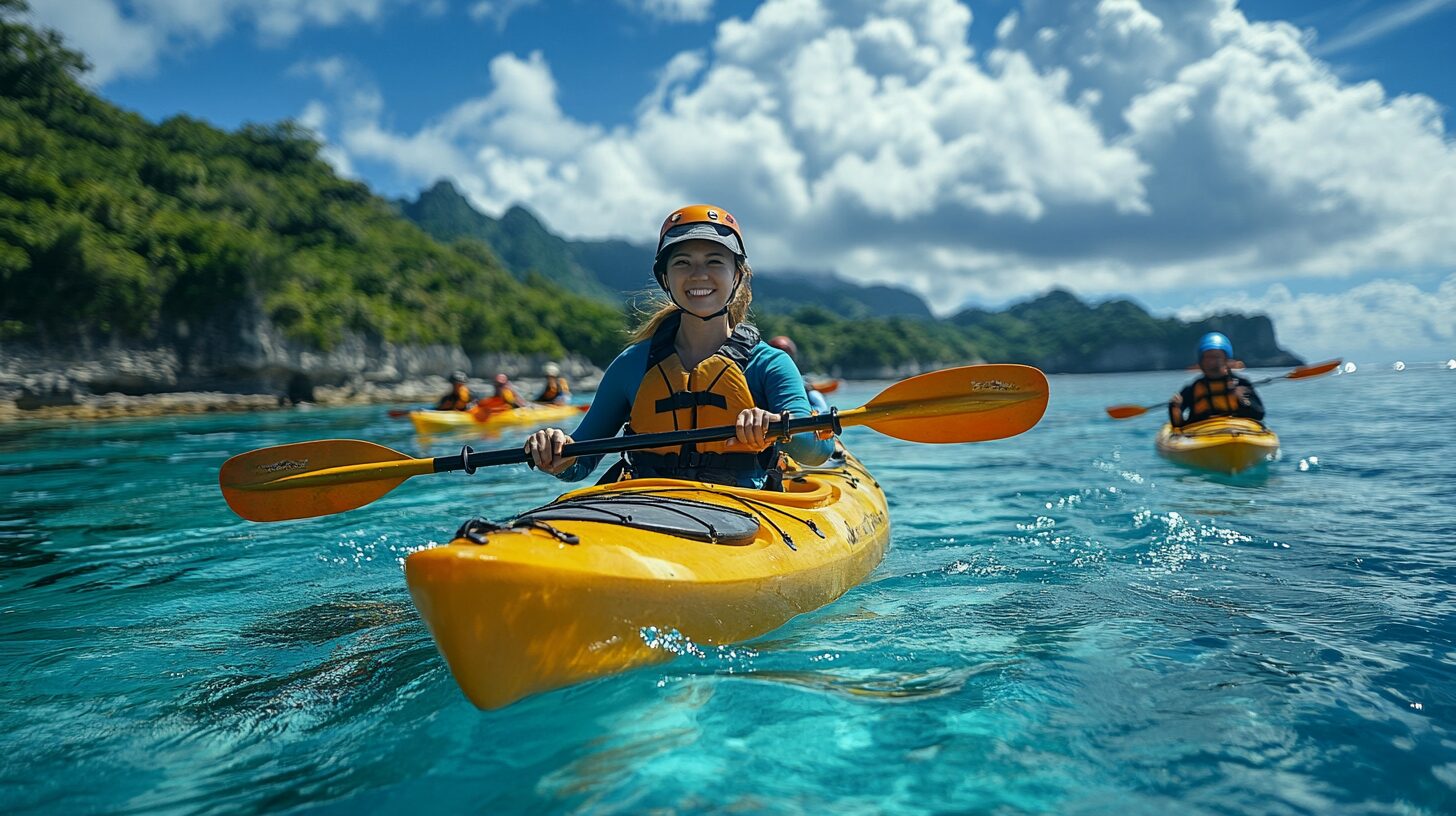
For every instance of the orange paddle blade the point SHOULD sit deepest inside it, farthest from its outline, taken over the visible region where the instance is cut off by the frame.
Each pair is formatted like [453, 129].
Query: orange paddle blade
[308, 479]
[966, 404]
[1314, 370]
[1128, 411]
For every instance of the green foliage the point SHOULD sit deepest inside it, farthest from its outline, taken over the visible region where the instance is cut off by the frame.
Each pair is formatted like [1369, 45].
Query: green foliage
[521, 242]
[111, 226]
[828, 342]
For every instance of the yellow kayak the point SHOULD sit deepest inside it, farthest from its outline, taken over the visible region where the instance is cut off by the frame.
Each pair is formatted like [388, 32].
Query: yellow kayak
[445, 421]
[1222, 444]
[599, 580]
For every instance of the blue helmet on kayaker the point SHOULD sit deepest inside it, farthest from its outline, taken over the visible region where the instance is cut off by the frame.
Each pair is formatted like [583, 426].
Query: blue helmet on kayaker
[1215, 341]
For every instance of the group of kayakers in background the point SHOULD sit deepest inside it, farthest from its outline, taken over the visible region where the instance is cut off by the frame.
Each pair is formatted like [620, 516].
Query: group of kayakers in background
[556, 391]
[696, 362]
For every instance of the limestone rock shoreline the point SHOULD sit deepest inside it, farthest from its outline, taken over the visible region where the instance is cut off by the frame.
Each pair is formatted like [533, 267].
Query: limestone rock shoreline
[245, 371]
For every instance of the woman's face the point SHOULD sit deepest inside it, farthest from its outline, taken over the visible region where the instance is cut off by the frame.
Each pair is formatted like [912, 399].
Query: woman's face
[700, 276]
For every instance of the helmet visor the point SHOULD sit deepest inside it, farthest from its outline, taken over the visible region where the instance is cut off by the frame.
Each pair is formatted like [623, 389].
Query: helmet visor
[717, 233]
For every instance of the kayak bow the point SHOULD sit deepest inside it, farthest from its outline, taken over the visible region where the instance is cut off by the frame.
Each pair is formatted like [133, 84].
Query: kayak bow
[1222, 444]
[444, 421]
[574, 591]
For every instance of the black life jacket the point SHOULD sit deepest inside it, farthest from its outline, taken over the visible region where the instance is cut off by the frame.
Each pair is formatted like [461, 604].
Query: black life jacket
[457, 400]
[552, 389]
[1213, 398]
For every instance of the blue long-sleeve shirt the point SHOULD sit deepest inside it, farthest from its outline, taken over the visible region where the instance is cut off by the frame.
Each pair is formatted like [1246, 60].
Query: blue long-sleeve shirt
[773, 380]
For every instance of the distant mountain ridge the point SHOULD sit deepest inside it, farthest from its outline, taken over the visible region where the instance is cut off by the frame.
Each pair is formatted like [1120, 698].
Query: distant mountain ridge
[861, 330]
[518, 238]
[614, 269]
[1059, 332]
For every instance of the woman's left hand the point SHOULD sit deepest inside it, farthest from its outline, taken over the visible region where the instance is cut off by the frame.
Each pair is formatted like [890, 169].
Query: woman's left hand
[752, 428]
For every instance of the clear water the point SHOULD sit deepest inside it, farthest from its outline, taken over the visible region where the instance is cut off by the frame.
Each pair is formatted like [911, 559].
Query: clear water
[1064, 623]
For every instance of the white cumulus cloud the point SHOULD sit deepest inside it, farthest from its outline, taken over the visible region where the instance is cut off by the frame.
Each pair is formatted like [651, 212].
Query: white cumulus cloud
[1109, 146]
[128, 37]
[1383, 319]
[674, 11]
[861, 130]
[498, 11]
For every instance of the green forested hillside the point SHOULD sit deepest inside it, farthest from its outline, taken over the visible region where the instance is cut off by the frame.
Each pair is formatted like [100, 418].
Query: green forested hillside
[867, 330]
[111, 226]
[519, 239]
[1056, 332]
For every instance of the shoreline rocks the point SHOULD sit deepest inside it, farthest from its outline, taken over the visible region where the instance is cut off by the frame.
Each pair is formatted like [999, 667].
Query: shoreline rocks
[176, 403]
[94, 380]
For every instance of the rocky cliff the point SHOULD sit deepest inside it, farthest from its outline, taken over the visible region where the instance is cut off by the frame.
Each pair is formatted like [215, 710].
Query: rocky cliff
[242, 365]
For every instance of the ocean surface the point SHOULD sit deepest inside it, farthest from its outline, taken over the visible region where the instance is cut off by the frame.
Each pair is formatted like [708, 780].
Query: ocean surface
[1064, 623]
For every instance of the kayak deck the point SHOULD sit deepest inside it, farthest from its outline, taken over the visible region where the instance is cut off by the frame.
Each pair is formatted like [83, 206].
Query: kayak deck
[1222, 444]
[522, 610]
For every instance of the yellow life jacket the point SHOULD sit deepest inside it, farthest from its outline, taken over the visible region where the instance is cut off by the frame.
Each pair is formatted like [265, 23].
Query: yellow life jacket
[1212, 398]
[713, 393]
[457, 400]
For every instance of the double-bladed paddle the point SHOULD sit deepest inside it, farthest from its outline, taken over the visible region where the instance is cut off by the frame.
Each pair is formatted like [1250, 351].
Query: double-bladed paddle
[308, 479]
[1303, 372]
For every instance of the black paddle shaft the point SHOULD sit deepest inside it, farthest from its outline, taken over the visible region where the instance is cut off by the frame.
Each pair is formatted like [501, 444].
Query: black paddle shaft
[468, 460]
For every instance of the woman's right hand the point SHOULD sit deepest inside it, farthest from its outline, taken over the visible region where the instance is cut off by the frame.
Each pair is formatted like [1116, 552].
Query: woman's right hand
[544, 448]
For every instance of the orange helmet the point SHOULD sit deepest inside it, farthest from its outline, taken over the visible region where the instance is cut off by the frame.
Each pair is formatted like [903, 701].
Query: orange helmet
[783, 343]
[701, 221]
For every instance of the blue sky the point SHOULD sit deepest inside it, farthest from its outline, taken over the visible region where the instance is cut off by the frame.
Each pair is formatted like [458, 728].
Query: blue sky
[1191, 154]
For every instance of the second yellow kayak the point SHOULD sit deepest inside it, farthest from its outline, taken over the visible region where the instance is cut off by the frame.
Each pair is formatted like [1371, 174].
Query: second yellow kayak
[445, 421]
[1223, 444]
[616, 576]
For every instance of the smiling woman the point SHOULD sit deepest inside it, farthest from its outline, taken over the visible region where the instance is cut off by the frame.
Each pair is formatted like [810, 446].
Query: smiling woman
[695, 362]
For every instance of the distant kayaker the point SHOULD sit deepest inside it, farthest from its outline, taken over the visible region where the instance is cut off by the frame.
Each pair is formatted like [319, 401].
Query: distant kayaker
[506, 392]
[816, 400]
[557, 390]
[694, 363]
[1218, 392]
[458, 398]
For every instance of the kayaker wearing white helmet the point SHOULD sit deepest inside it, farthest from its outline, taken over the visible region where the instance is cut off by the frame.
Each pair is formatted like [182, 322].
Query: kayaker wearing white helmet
[1218, 392]
[694, 363]
[556, 391]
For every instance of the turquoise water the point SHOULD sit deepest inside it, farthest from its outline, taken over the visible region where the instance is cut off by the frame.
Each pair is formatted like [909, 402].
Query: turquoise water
[1064, 623]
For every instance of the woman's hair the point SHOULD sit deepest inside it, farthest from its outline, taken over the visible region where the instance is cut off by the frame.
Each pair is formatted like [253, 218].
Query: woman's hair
[658, 309]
